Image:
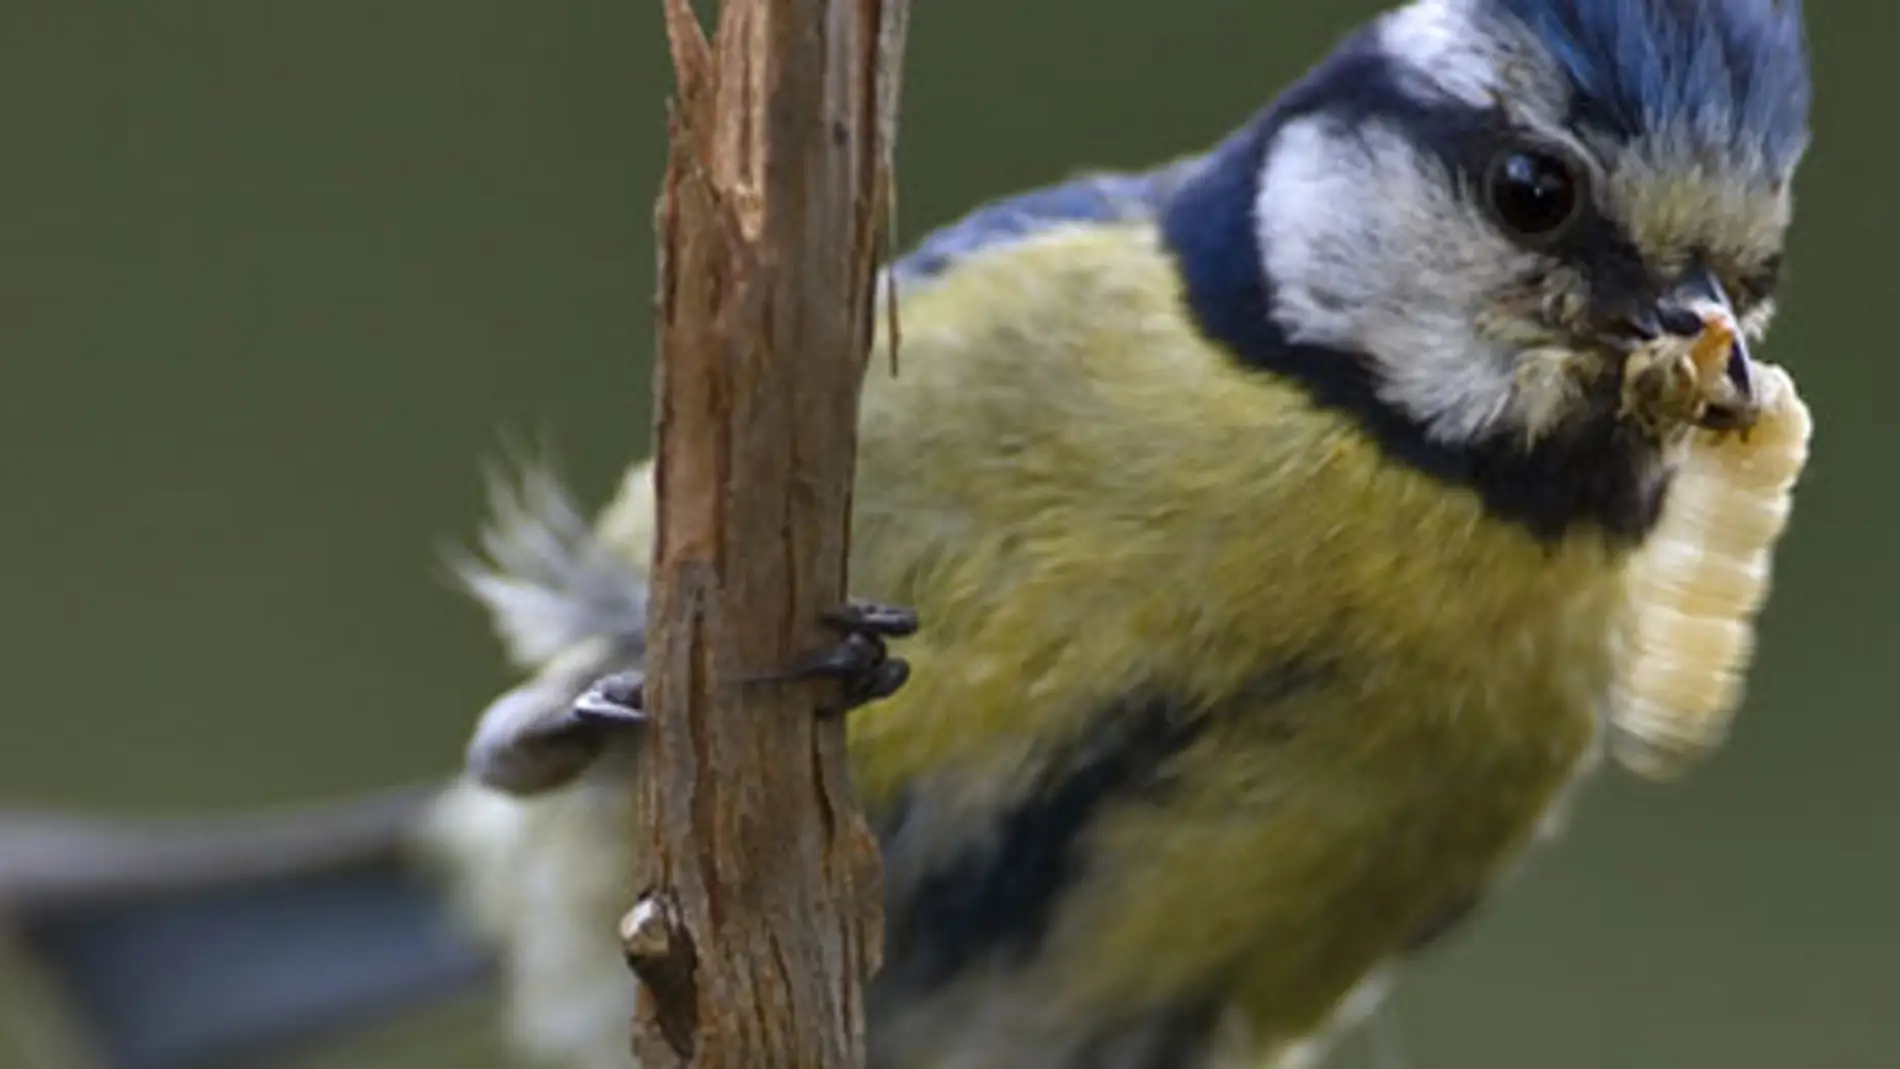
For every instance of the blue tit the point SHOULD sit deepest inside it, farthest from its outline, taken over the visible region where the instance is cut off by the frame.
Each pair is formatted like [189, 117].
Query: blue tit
[1267, 514]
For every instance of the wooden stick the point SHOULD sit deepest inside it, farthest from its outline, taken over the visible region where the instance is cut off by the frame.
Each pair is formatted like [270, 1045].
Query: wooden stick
[761, 917]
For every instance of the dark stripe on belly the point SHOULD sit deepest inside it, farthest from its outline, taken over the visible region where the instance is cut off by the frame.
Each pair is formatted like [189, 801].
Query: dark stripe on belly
[996, 899]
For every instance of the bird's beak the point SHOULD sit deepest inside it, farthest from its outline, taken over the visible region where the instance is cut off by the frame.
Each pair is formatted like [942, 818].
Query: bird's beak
[1696, 304]
[1697, 310]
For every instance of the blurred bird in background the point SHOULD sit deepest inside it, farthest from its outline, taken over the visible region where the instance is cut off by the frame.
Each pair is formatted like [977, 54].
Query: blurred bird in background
[1267, 514]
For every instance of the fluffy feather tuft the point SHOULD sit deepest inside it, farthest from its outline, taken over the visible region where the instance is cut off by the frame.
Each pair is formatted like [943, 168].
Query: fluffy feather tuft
[546, 577]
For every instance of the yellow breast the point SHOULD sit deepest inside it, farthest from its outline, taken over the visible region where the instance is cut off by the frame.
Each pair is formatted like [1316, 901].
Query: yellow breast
[1082, 495]
[1085, 499]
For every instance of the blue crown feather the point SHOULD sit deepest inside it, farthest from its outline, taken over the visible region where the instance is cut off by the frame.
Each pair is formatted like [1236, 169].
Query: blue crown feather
[1727, 78]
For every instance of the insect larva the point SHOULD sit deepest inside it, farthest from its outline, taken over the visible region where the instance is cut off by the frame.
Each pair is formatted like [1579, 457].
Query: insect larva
[1695, 588]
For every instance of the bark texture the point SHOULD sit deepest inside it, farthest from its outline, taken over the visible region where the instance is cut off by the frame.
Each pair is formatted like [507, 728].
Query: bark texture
[760, 917]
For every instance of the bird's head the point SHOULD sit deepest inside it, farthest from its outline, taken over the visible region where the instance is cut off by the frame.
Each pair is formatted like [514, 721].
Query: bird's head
[1484, 202]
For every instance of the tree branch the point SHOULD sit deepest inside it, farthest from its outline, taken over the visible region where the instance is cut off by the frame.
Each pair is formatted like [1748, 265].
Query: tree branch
[762, 915]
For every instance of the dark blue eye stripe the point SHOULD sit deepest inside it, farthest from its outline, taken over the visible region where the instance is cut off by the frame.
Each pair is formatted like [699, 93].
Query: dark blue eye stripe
[1596, 475]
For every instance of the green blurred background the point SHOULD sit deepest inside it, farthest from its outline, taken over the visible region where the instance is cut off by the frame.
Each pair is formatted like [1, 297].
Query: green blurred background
[274, 277]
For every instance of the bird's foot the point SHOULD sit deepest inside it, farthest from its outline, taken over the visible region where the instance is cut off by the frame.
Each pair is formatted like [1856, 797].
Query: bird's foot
[861, 661]
[539, 736]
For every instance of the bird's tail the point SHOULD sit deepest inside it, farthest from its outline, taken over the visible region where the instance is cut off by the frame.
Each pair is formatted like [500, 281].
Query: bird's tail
[199, 945]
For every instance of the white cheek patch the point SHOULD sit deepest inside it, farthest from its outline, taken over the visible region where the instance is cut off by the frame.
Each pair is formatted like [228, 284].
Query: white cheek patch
[1370, 247]
[1317, 233]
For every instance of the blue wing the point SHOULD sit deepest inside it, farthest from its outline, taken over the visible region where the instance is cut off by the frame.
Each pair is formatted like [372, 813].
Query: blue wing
[1090, 198]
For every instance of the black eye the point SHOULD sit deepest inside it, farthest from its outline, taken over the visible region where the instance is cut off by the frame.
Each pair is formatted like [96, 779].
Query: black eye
[1534, 194]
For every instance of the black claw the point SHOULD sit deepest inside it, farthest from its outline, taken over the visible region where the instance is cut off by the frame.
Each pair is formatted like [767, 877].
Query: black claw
[866, 617]
[618, 700]
[853, 656]
[861, 660]
[883, 681]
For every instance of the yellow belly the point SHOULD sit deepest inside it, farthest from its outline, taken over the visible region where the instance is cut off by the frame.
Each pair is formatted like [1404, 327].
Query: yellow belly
[1299, 850]
[1088, 509]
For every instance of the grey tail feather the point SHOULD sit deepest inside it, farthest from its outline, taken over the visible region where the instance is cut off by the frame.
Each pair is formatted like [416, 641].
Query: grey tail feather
[543, 573]
[206, 946]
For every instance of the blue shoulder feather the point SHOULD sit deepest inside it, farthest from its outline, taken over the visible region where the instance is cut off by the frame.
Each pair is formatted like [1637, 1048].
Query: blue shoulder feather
[1101, 197]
